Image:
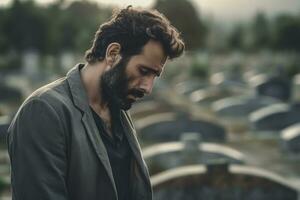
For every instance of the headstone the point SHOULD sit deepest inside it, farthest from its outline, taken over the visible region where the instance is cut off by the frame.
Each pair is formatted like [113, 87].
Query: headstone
[208, 95]
[241, 106]
[274, 117]
[290, 139]
[164, 156]
[30, 62]
[146, 108]
[221, 182]
[169, 127]
[189, 86]
[296, 88]
[8, 94]
[67, 60]
[276, 87]
[228, 81]
[295, 106]
[4, 124]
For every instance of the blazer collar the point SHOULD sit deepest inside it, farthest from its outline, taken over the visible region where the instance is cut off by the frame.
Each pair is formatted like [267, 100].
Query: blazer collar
[80, 100]
[78, 91]
[133, 142]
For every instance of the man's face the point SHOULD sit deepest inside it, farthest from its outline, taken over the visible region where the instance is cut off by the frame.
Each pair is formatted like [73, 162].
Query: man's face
[131, 78]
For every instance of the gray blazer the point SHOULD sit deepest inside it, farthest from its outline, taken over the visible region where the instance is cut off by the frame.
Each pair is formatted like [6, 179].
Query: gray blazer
[56, 151]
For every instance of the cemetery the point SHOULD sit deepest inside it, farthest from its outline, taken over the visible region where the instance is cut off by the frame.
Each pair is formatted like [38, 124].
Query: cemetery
[222, 121]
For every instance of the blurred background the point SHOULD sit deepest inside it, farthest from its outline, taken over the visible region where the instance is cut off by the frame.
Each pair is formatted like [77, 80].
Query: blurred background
[223, 121]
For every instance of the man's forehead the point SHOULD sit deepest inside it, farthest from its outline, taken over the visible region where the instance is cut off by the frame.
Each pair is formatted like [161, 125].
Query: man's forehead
[154, 51]
[156, 59]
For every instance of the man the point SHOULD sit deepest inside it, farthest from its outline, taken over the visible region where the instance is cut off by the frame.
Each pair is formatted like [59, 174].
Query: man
[72, 139]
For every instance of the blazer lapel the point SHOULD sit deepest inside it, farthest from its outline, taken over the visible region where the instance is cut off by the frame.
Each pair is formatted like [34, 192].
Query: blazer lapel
[99, 147]
[81, 102]
[133, 142]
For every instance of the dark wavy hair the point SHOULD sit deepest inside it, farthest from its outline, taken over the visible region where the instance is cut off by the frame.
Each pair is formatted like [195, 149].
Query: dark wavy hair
[132, 28]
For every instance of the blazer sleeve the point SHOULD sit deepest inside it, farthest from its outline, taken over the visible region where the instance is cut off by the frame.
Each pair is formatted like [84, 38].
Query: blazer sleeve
[37, 150]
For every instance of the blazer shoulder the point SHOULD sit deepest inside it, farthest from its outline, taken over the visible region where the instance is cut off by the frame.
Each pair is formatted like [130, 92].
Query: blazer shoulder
[56, 93]
[56, 96]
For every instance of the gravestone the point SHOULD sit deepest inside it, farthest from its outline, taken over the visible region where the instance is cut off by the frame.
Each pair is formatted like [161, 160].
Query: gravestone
[146, 108]
[30, 64]
[277, 87]
[8, 93]
[241, 106]
[296, 88]
[67, 60]
[274, 117]
[295, 106]
[169, 127]
[206, 96]
[290, 139]
[228, 81]
[189, 86]
[221, 182]
[164, 156]
[4, 124]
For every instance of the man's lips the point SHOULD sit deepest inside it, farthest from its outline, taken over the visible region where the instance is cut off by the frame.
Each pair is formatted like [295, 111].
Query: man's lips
[134, 96]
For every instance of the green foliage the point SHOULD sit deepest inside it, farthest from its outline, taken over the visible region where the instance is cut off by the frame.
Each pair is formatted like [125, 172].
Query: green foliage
[286, 33]
[3, 42]
[79, 23]
[280, 33]
[52, 29]
[55, 28]
[3, 185]
[261, 32]
[25, 26]
[199, 70]
[236, 38]
[185, 18]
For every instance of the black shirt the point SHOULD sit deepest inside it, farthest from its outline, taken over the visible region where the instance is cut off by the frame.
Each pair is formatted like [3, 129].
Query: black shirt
[119, 154]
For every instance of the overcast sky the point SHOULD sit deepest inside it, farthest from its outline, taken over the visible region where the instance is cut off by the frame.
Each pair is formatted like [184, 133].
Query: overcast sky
[220, 9]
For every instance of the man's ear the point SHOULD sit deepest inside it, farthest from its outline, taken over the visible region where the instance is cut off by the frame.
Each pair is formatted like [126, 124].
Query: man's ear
[112, 53]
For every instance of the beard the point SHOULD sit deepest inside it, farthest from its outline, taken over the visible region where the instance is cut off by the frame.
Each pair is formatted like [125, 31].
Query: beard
[114, 86]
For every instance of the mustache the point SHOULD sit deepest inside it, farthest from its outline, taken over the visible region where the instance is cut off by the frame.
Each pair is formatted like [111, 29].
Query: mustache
[137, 93]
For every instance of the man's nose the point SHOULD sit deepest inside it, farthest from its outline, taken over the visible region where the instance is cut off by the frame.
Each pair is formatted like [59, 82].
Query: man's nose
[147, 85]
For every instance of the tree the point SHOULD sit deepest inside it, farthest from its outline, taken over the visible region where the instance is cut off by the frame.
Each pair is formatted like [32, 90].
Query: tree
[26, 27]
[286, 33]
[3, 41]
[236, 38]
[84, 18]
[74, 26]
[186, 19]
[260, 31]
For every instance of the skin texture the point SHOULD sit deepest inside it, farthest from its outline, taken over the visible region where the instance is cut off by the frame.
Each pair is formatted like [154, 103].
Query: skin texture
[122, 80]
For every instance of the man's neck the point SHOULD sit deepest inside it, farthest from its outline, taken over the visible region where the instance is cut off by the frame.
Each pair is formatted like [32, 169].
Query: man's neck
[90, 75]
